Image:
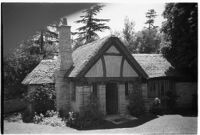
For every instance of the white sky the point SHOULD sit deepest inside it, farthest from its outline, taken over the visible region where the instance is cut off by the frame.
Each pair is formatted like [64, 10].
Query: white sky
[116, 12]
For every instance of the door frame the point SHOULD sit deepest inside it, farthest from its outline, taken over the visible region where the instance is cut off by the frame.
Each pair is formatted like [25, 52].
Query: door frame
[116, 98]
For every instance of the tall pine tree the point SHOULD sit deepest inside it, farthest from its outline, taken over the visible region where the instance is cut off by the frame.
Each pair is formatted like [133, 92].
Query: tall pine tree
[150, 15]
[88, 32]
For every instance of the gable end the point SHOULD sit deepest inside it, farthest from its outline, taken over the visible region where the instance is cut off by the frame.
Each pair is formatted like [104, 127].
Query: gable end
[113, 42]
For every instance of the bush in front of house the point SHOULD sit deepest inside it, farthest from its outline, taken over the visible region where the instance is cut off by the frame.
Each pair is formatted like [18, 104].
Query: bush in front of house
[15, 117]
[42, 98]
[89, 116]
[38, 118]
[169, 101]
[51, 118]
[136, 102]
[156, 107]
[27, 116]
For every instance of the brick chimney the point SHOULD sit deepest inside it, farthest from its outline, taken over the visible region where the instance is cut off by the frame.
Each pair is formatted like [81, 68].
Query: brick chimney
[62, 85]
[65, 45]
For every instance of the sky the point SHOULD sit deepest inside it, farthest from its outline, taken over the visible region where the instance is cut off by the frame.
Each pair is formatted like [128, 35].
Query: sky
[21, 20]
[116, 12]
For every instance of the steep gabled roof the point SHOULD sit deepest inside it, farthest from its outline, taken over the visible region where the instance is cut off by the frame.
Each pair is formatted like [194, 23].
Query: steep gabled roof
[83, 55]
[146, 65]
[86, 56]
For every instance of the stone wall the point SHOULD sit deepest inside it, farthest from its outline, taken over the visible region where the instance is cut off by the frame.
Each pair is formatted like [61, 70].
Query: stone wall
[185, 91]
[82, 97]
[83, 92]
[14, 105]
[62, 87]
[147, 101]
[101, 91]
[62, 84]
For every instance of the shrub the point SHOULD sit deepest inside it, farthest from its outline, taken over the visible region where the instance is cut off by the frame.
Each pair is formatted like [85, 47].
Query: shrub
[27, 116]
[136, 101]
[54, 121]
[169, 101]
[51, 113]
[194, 102]
[43, 98]
[156, 107]
[51, 118]
[88, 117]
[16, 117]
[38, 118]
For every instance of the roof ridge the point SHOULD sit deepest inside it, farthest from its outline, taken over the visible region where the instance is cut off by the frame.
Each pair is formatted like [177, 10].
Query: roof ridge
[91, 43]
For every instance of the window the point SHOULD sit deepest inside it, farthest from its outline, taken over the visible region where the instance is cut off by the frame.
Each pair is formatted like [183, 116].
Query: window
[95, 89]
[151, 89]
[158, 88]
[126, 89]
[73, 92]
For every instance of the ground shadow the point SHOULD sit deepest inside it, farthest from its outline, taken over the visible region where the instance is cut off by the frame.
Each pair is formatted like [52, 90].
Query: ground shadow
[143, 119]
[132, 123]
[184, 112]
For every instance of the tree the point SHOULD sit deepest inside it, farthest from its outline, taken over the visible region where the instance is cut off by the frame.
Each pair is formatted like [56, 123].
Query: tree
[16, 66]
[23, 60]
[151, 14]
[180, 29]
[129, 34]
[46, 40]
[87, 32]
[148, 41]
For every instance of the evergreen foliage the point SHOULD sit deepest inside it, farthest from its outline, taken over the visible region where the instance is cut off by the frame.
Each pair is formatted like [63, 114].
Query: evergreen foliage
[24, 59]
[151, 14]
[88, 32]
[180, 29]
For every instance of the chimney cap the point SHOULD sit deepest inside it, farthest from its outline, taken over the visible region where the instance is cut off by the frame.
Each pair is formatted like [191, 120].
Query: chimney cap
[63, 22]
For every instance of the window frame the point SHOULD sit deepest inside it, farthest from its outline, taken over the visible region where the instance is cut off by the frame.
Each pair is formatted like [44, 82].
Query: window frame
[94, 89]
[73, 97]
[126, 89]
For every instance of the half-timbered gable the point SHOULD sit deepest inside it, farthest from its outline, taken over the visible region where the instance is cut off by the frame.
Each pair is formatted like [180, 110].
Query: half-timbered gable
[112, 63]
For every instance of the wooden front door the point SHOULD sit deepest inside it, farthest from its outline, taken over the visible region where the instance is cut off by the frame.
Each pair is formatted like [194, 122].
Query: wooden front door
[111, 98]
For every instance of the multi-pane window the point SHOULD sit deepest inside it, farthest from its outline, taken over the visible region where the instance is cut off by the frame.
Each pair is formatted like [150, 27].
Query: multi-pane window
[95, 89]
[73, 92]
[158, 88]
[126, 89]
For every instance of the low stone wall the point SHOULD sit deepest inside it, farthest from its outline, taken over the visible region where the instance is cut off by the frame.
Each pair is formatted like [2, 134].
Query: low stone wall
[63, 88]
[185, 92]
[147, 101]
[14, 105]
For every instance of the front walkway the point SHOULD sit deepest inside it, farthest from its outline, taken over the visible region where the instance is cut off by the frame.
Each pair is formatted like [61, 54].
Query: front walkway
[176, 124]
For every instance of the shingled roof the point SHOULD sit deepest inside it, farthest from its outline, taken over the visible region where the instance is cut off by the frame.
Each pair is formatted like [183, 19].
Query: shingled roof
[82, 55]
[43, 73]
[153, 64]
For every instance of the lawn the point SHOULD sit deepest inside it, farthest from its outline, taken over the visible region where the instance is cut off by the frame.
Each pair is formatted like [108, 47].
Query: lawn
[176, 124]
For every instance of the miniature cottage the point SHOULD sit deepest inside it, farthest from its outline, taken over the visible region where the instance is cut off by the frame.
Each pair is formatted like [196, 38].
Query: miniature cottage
[105, 67]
